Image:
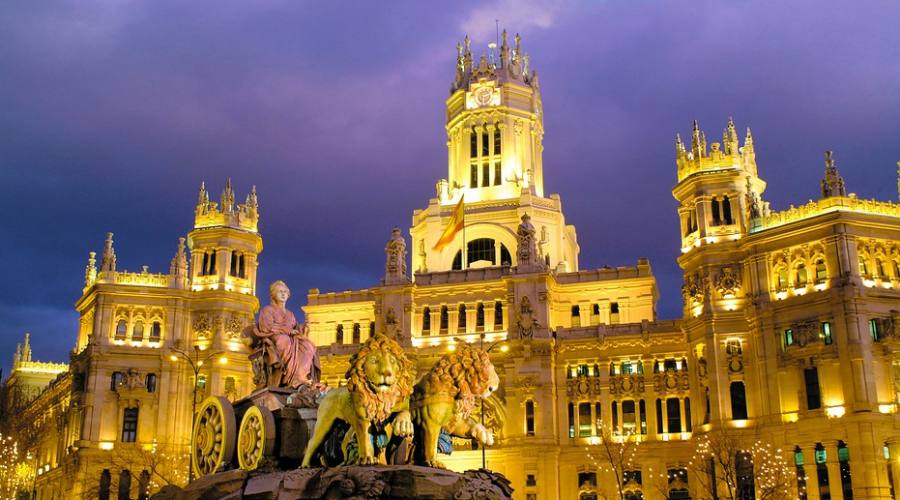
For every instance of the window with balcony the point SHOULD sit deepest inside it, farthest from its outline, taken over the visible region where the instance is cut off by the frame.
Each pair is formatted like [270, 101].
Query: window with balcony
[129, 425]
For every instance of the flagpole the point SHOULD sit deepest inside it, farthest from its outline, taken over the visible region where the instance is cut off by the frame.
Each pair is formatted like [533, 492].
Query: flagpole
[464, 249]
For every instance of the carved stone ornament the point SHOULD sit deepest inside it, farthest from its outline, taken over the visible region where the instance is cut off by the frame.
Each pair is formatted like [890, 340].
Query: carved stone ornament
[526, 322]
[671, 380]
[583, 386]
[202, 326]
[727, 282]
[632, 383]
[694, 288]
[395, 252]
[234, 326]
[526, 245]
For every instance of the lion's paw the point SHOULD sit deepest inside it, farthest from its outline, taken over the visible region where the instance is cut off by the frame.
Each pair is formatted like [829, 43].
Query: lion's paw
[403, 425]
[367, 461]
[435, 464]
[482, 435]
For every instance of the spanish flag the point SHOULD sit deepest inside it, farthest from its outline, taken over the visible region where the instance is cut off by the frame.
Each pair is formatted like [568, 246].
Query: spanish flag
[457, 221]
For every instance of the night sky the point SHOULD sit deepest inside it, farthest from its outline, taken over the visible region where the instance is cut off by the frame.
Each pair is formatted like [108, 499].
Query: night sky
[111, 113]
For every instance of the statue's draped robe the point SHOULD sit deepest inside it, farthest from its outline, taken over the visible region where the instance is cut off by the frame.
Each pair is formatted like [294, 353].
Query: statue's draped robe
[297, 353]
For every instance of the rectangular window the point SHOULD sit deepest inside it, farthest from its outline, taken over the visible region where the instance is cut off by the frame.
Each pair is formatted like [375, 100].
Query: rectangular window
[497, 140]
[642, 410]
[498, 173]
[825, 333]
[598, 417]
[615, 418]
[673, 414]
[473, 176]
[530, 480]
[614, 312]
[628, 417]
[813, 393]
[659, 419]
[129, 425]
[787, 338]
[529, 418]
[584, 420]
[473, 144]
[874, 329]
[485, 144]
[571, 420]
[485, 174]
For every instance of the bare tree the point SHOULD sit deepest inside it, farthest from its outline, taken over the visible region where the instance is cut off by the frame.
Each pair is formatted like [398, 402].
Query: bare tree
[614, 453]
[151, 466]
[726, 463]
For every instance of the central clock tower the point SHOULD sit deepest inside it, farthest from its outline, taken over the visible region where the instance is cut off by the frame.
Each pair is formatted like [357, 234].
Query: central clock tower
[494, 126]
[495, 130]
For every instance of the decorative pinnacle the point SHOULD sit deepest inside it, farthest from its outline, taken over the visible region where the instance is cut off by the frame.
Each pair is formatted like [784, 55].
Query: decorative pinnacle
[679, 145]
[203, 197]
[108, 260]
[833, 183]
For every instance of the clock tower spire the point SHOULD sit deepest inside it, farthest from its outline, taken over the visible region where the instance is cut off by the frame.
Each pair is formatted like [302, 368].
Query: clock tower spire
[494, 126]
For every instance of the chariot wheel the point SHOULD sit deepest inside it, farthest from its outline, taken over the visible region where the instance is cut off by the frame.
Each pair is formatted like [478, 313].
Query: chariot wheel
[213, 436]
[256, 437]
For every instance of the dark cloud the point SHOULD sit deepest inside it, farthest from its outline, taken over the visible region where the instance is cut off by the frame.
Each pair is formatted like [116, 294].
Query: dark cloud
[112, 114]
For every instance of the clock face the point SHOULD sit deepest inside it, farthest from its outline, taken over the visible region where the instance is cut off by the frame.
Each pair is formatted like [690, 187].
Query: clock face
[483, 96]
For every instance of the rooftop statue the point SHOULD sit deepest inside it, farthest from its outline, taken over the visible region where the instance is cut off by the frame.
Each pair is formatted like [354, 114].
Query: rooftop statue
[374, 403]
[290, 352]
[443, 401]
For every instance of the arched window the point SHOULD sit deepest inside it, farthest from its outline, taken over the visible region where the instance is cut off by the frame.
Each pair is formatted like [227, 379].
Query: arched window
[457, 261]
[497, 140]
[371, 329]
[339, 335]
[241, 268]
[485, 143]
[426, 321]
[479, 316]
[137, 333]
[233, 271]
[821, 456]
[473, 143]
[781, 278]
[738, 401]
[628, 417]
[357, 333]
[125, 481]
[529, 418]
[897, 270]
[505, 258]
[498, 315]
[726, 210]
[445, 319]
[205, 267]
[481, 249]
[863, 267]
[642, 411]
[212, 262]
[821, 271]
[150, 382]
[800, 277]
[129, 425]
[144, 485]
[461, 318]
[121, 329]
[879, 269]
[844, 464]
[716, 217]
[743, 467]
[155, 331]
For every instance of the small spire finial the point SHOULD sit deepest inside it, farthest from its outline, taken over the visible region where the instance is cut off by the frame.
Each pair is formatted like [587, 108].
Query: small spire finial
[832, 183]
[679, 145]
[108, 260]
[90, 272]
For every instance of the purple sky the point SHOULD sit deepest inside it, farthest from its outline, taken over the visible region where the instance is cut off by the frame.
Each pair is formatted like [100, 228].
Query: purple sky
[111, 113]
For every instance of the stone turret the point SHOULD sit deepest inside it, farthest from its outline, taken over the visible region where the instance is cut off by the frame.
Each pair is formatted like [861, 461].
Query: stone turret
[211, 214]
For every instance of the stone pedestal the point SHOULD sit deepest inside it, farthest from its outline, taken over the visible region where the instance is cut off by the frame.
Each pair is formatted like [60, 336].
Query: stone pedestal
[399, 482]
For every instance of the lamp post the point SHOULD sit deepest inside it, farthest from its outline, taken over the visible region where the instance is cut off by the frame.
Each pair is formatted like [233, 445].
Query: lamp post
[503, 348]
[195, 358]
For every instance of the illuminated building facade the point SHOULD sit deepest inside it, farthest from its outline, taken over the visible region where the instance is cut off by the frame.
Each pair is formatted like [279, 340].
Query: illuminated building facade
[141, 335]
[788, 337]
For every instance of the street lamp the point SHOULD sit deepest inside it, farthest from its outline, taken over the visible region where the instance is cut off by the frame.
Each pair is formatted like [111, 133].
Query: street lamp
[195, 358]
[503, 348]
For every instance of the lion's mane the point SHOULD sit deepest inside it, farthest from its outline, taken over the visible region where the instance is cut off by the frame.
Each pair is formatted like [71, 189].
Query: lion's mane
[378, 406]
[462, 374]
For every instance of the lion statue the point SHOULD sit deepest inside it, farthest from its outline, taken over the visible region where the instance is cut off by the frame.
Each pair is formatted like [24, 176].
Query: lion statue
[374, 403]
[445, 397]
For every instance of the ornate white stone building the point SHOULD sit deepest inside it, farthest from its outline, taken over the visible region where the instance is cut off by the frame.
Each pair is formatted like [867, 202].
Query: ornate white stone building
[783, 367]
